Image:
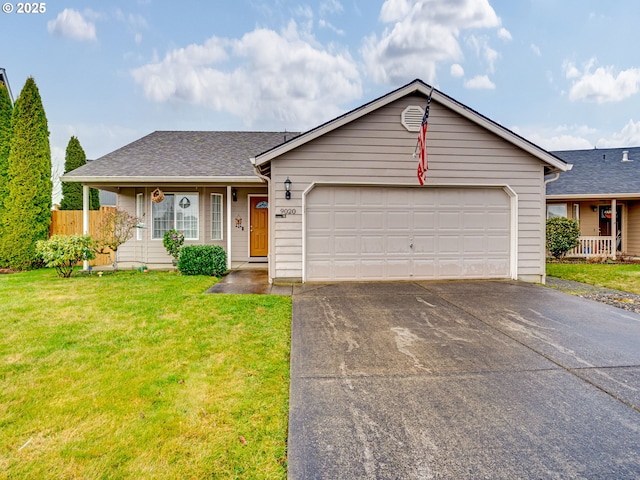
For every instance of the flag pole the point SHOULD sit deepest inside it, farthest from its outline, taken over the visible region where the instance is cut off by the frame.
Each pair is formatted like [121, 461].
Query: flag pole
[417, 141]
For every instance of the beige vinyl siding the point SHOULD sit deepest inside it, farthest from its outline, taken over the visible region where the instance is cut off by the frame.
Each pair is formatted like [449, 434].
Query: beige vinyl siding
[240, 209]
[152, 252]
[632, 246]
[377, 149]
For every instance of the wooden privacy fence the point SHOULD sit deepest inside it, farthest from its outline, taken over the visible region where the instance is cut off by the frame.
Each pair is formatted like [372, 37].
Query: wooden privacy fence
[69, 222]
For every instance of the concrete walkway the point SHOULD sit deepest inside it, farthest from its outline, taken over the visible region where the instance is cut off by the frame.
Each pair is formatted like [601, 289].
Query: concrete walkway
[251, 281]
[461, 380]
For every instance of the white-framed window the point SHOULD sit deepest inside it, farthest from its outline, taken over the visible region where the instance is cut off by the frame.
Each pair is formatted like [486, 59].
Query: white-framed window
[216, 216]
[177, 210]
[557, 210]
[139, 214]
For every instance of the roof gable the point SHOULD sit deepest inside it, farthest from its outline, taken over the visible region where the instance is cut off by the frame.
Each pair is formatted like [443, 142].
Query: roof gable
[417, 86]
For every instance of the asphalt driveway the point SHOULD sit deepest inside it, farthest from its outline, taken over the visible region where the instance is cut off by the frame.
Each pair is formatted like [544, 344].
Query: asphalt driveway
[461, 380]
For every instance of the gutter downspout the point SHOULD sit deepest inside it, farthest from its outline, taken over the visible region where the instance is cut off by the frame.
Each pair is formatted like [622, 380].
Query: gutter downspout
[268, 181]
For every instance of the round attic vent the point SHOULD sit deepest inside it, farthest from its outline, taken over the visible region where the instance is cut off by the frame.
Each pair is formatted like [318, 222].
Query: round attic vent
[411, 118]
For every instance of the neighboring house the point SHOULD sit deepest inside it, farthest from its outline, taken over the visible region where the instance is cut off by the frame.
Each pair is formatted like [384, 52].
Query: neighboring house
[354, 210]
[601, 192]
[4, 80]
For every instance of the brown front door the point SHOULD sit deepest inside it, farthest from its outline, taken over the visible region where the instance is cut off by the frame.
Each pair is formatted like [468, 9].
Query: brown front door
[259, 227]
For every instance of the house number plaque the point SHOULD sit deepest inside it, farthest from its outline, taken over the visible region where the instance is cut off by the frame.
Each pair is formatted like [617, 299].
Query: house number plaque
[288, 211]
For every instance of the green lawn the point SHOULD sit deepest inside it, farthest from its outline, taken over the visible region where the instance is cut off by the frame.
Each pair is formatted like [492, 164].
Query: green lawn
[619, 276]
[138, 375]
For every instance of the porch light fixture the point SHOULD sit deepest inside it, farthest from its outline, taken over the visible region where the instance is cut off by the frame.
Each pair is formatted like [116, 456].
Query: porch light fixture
[594, 208]
[234, 194]
[287, 188]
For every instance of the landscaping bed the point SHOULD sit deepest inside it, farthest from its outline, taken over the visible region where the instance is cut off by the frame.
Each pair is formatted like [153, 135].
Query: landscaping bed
[616, 284]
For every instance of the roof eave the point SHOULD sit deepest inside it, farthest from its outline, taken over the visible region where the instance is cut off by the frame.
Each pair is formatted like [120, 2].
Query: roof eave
[592, 196]
[127, 180]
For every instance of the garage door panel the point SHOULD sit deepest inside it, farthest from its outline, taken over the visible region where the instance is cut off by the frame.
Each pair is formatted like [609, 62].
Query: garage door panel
[398, 244]
[424, 221]
[399, 233]
[345, 269]
[398, 269]
[474, 220]
[449, 220]
[398, 221]
[424, 268]
[370, 268]
[371, 221]
[345, 245]
[450, 268]
[475, 244]
[497, 244]
[319, 220]
[319, 244]
[372, 244]
[498, 220]
[448, 244]
[345, 197]
[424, 244]
[345, 220]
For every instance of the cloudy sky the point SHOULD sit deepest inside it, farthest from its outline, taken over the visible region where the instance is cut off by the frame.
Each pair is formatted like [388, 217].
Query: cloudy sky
[564, 74]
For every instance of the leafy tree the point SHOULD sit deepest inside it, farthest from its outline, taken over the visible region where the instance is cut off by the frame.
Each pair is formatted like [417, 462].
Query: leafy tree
[5, 143]
[116, 227]
[562, 235]
[28, 204]
[72, 191]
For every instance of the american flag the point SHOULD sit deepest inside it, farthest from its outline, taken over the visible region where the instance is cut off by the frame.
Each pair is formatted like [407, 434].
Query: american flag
[423, 165]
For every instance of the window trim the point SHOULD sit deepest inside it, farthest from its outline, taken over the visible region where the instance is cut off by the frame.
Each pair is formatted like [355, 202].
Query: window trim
[566, 210]
[139, 214]
[177, 195]
[221, 197]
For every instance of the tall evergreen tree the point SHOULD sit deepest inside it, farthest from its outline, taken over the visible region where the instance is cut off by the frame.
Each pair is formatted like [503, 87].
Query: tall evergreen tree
[5, 142]
[72, 191]
[28, 206]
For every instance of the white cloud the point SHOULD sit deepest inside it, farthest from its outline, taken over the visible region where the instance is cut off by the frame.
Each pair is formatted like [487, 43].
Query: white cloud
[330, 7]
[71, 24]
[457, 71]
[324, 24]
[603, 84]
[421, 33]
[504, 34]
[562, 137]
[277, 79]
[480, 44]
[629, 136]
[480, 82]
[536, 50]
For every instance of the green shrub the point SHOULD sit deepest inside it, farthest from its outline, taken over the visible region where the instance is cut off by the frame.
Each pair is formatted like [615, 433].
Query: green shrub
[64, 252]
[173, 241]
[562, 235]
[202, 260]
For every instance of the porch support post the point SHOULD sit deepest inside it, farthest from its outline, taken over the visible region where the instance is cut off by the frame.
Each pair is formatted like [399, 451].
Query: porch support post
[229, 199]
[614, 228]
[85, 218]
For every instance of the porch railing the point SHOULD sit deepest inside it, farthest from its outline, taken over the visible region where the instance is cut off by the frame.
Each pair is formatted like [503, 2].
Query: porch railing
[592, 247]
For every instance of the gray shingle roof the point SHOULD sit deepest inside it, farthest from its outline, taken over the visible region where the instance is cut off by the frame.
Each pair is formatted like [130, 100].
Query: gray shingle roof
[598, 171]
[184, 154]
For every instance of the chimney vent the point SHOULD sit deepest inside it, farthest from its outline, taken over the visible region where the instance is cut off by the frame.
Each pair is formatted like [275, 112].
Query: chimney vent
[625, 156]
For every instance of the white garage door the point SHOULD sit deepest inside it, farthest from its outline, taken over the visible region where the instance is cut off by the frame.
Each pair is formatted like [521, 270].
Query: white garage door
[399, 233]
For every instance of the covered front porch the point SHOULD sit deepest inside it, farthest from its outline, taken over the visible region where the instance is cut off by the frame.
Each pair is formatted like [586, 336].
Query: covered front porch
[610, 227]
